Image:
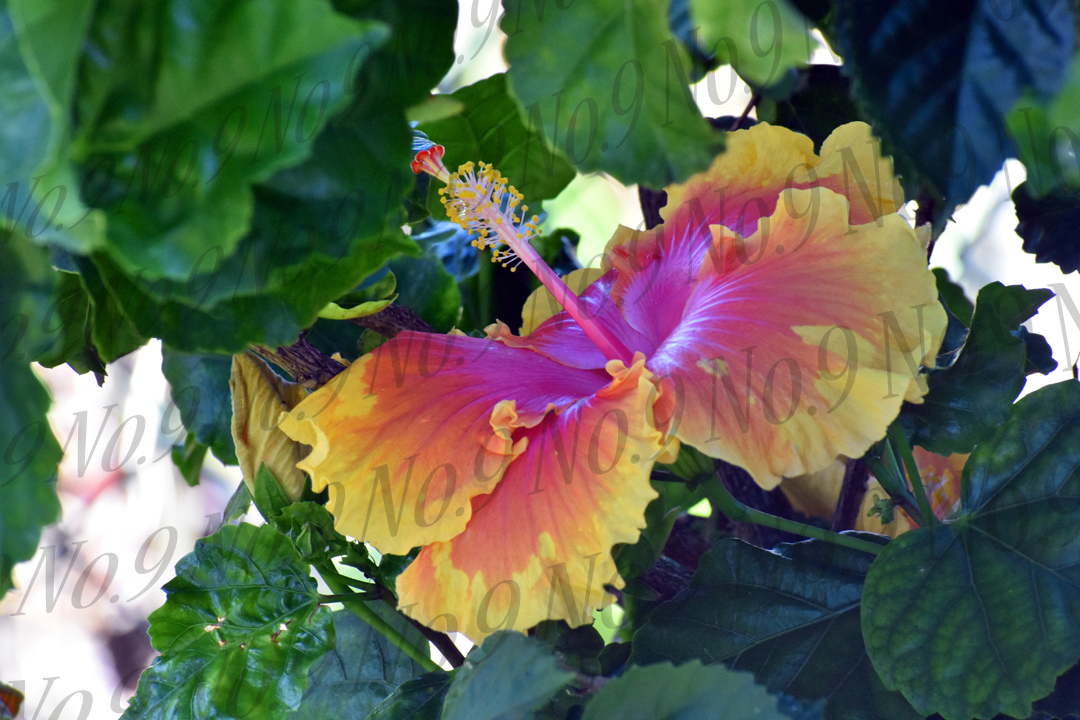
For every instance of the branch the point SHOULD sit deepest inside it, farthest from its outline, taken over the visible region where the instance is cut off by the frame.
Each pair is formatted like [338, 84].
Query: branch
[846, 515]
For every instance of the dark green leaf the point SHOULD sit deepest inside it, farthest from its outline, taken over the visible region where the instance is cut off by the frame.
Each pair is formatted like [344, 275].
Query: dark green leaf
[578, 647]
[419, 699]
[976, 617]
[937, 78]
[693, 690]
[490, 129]
[360, 672]
[311, 528]
[607, 85]
[238, 504]
[28, 287]
[188, 459]
[953, 298]
[761, 41]
[199, 388]
[426, 288]
[633, 560]
[238, 632]
[28, 499]
[508, 676]
[176, 124]
[820, 104]
[1048, 226]
[112, 334]
[958, 310]
[69, 320]
[691, 464]
[269, 498]
[418, 54]
[972, 397]
[790, 616]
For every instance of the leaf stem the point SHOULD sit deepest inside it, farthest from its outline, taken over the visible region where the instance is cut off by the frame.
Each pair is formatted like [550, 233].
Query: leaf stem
[724, 501]
[899, 439]
[360, 608]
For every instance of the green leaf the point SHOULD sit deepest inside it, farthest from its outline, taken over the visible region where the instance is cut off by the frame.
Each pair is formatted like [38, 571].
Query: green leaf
[1041, 129]
[238, 632]
[41, 44]
[427, 289]
[418, 699]
[188, 459]
[633, 560]
[490, 129]
[665, 692]
[790, 616]
[508, 676]
[238, 504]
[310, 526]
[976, 617]
[938, 83]
[820, 104]
[236, 91]
[30, 452]
[199, 389]
[30, 298]
[578, 647]
[360, 672]
[691, 464]
[759, 40]
[269, 498]
[607, 85]
[28, 499]
[972, 397]
[69, 318]
[1048, 226]
[112, 333]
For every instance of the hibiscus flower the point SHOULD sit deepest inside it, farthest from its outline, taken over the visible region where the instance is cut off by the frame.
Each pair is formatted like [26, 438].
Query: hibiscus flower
[776, 319]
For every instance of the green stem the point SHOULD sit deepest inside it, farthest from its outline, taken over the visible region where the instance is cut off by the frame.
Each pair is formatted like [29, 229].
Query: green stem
[347, 596]
[724, 501]
[897, 436]
[902, 500]
[358, 606]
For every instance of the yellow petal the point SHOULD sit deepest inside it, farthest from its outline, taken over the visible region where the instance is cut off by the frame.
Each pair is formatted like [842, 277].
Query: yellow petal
[259, 397]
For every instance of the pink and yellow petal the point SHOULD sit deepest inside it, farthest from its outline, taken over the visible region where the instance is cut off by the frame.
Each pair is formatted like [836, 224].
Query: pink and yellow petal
[539, 547]
[407, 435]
[806, 332]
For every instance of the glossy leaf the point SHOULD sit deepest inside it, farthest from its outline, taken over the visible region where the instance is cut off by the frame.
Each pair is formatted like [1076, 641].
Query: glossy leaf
[937, 83]
[238, 632]
[977, 616]
[689, 691]
[608, 84]
[199, 387]
[171, 153]
[28, 499]
[419, 699]
[972, 397]
[69, 322]
[508, 676]
[760, 40]
[361, 670]
[28, 451]
[820, 104]
[790, 616]
[1048, 226]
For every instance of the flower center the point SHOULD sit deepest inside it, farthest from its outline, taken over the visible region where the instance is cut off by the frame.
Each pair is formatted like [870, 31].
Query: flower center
[481, 201]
